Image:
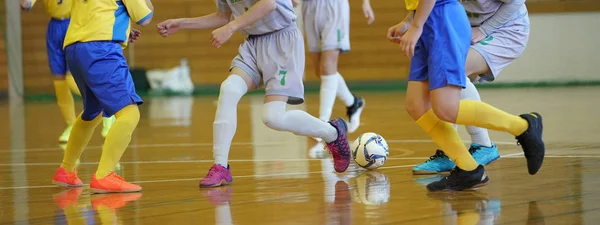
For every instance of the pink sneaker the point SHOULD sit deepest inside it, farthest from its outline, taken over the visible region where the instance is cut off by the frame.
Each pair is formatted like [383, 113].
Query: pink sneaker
[217, 176]
[339, 149]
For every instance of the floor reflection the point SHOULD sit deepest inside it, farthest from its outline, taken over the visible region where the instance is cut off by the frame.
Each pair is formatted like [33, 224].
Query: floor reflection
[75, 207]
[468, 207]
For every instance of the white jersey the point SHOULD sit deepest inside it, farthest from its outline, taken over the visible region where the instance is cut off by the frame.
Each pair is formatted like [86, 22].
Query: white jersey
[282, 17]
[479, 11]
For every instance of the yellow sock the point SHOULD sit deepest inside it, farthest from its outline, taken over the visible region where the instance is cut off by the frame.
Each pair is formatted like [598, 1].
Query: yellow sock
[80, 136]
[72, 84]
[446, 137]
[117, 139]
[481, 114]
[467, 218]
[72, 215]
[65, 101]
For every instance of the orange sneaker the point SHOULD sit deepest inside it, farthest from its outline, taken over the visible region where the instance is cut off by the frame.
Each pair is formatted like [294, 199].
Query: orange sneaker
[66, 179]
[67, 197]
[112, 183]
[115, 201]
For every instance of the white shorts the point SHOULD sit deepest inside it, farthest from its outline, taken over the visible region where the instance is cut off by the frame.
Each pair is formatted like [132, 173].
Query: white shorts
[277, 59]
[503, 46]
[327, 24]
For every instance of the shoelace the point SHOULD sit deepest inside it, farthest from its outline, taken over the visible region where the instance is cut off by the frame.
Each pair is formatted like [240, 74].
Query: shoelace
[211, 172]
[438, 154]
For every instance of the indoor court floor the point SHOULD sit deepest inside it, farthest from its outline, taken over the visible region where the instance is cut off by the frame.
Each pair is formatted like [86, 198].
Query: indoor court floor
[280, 178]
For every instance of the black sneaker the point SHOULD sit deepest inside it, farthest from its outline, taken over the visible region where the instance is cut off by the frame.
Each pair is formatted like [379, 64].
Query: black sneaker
[532, 143]
[460, 180]
[354, 112]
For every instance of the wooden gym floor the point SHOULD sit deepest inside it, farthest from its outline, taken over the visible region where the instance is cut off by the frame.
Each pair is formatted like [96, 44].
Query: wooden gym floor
[276, 181]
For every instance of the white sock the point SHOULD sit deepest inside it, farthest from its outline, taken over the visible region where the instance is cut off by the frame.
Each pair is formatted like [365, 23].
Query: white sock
[223, 214]
[343, 93]
[298, 122]
[479, 135]
[329, 85]
[232, 90]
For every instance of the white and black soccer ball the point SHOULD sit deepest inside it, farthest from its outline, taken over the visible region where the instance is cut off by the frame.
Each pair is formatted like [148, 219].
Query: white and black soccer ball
[370, 151]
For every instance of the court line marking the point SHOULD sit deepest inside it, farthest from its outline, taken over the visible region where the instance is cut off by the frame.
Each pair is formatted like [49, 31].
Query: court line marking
[511, 156]
[202, 144]
[198, 178]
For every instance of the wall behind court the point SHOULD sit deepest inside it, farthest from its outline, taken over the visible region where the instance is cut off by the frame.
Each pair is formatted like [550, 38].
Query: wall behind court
[561, 46]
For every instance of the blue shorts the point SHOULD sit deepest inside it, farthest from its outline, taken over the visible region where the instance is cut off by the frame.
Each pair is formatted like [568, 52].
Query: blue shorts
[55, 37]
[441, 52]
[102, 76]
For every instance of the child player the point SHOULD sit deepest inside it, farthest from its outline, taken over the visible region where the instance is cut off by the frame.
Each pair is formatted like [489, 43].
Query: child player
[500, 30]
[327, 27]
[437, 37]
[60, 12]
[94, 43]
[274, 54]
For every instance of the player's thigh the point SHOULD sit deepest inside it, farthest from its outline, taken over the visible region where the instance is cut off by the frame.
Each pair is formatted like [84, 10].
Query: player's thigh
[245, 64]
[311, 26]
[334, 25]
[281, 60]
[475, 64]
[55, 37]
[501, 48]
[449, 49]
[109, 77]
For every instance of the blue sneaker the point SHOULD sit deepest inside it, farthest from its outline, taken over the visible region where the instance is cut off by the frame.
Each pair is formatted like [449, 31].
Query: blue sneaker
[437, 163]
[484, 155]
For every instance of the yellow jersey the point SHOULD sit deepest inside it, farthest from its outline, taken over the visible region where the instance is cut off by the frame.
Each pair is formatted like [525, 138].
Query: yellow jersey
[58, 9]
[411, 5]
[105, 20]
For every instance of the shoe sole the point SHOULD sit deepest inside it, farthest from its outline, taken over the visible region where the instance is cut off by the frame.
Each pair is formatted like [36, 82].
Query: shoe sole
[477, 186]
[103, 191]
[222, 183]
[427, 172]
[432, 172]
[65, 184]
[357, 113]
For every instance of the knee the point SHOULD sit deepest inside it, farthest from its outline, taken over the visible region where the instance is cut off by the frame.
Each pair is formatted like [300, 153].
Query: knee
[233, 85]
[273, 115]
[58, 77]
[328, 64]
[445, 112]
[415, 108]
[272, 120]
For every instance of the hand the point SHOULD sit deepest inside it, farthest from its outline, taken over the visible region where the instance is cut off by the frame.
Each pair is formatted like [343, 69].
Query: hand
[368, 11]
[295, 3]
[221, 35]
[169, 27]
[134, 35]
[409, 40]
[476, 35]
[397, 31]
[26, 5]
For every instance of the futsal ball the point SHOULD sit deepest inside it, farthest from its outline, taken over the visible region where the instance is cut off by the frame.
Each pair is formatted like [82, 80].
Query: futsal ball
[370, 151]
